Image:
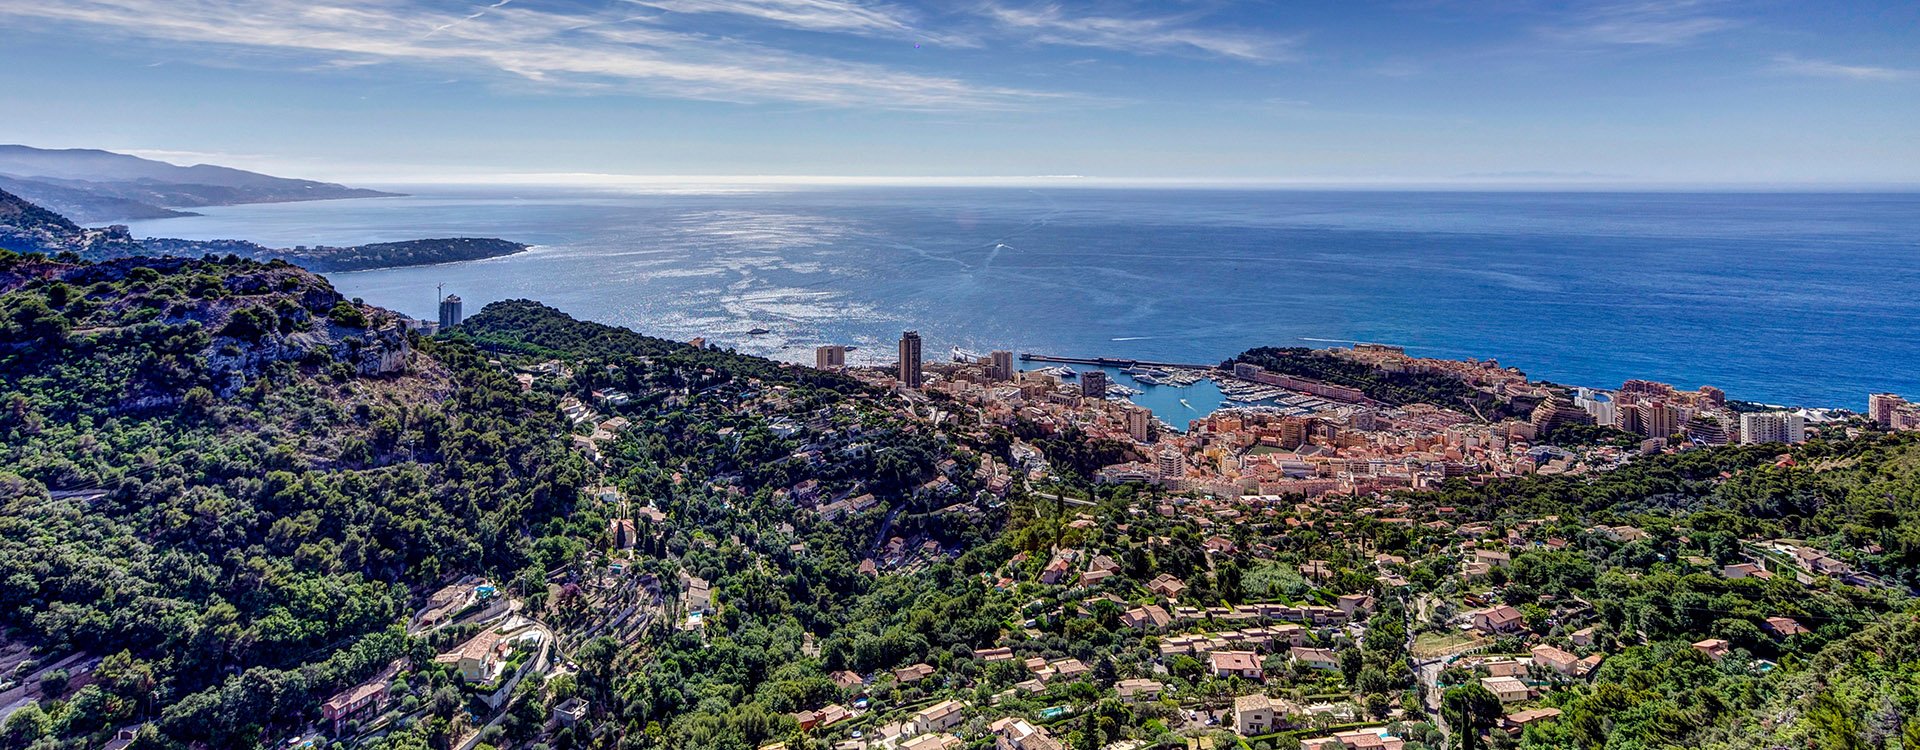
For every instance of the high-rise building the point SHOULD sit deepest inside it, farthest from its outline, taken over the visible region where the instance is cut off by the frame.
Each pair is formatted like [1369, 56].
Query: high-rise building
[1093, 384]
[1649, 418]
[830, 357]
[1003, 365]
[1658, 419]
[1772, 427]
[1293, 432]
[450, 311]
[909, 374]
[1173, 466]
[1139, 424]
[1881, 407]
[1707, 429]
[1556, 411]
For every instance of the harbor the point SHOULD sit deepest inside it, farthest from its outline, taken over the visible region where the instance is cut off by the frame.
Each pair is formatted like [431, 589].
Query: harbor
[1177, 393]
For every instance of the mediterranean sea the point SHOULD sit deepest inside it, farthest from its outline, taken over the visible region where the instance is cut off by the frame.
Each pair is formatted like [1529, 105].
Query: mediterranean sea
[1797, 299]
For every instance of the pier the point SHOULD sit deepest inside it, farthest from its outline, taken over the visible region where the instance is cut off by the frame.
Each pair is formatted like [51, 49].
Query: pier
[1111, 362]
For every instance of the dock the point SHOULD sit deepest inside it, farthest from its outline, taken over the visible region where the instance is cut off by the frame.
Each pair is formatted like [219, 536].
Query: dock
[1112, 362]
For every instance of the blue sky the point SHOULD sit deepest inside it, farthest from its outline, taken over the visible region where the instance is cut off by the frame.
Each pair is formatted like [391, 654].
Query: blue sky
[1646, 92]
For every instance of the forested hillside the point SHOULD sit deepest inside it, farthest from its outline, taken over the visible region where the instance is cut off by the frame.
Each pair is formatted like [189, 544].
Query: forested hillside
[225, 478]
[228, 492]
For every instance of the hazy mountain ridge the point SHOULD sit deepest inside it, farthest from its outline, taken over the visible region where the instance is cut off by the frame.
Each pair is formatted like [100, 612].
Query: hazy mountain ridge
[94, 185]
[27, 227]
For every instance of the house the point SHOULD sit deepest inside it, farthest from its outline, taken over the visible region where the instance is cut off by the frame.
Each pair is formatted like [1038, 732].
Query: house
[624, 534]
[935, 741]
[1714, 648]
[1253, 715]
[1056, 571]
[445, 603]
[1150, 617]
[939, 717]
[1584, 637]
[1784, 626]
[570, 711]
[1315, 658]
[1493, 557]
[993, 655]
[699, 594]
[1014, 733]
[1587, 664]
[1622, 534]
[1219, 545]
[1505, 668]
[1243, 664]
[1091, 577]
[1139, 690]
[1509, 689]
[1167, 586]
[1375, 738]
[476, 659]
[1557, 660]
[1518, 720]
[1372, 738]
[847, 680]
[914, 673]
[1738, 571]
[1065, 669]
[1496, 620]
[829, 716]
[1355, 605]
[367, 697]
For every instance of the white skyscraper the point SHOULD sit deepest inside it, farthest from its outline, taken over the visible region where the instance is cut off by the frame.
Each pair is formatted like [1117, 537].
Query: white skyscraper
[1772, 427]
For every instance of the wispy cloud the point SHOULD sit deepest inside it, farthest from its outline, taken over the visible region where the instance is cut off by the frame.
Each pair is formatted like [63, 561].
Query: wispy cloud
[591, 50]
[812, 15]
[1830, 69]
[1641, 22]
[1053, 24]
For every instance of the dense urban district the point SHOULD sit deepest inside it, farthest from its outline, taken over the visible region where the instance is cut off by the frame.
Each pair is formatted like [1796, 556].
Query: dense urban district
[240, 510]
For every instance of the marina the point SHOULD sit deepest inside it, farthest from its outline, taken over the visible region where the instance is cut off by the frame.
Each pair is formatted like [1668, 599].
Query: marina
[1178, 393]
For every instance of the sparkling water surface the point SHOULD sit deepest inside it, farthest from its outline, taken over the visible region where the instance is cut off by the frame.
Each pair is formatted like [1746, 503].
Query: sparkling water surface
[1806, 299]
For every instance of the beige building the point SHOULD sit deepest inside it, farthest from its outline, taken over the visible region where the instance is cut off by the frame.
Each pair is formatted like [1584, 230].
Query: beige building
[1509, 689]
[939, 717]
[1253, 715]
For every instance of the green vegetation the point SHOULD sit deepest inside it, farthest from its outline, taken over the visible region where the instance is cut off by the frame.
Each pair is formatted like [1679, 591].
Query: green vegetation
[1386, 387]
[227, 490]
[234, 515]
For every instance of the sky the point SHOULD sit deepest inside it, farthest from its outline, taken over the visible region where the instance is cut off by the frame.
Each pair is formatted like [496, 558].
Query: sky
[1421, 92]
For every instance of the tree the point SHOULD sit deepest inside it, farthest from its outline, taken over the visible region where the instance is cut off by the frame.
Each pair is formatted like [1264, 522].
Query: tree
[1470, 710]
[25, 726]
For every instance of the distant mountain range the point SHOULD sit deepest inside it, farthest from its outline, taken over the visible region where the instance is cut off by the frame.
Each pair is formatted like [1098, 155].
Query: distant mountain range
[92, 186]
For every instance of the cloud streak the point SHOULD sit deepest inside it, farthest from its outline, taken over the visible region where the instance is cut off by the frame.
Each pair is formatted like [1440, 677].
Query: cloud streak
[589, 51]
[1640, 23]
[811, 15]
[1829, 69]
[1052, 24]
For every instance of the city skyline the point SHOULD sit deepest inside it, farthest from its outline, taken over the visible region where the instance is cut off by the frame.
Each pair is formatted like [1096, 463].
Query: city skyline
[656, 93]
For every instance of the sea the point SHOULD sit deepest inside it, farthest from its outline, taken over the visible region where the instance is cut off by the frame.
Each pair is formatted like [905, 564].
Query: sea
[1781, 298]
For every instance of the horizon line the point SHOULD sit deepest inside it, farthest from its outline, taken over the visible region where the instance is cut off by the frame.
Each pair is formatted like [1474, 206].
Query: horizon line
[743, 182]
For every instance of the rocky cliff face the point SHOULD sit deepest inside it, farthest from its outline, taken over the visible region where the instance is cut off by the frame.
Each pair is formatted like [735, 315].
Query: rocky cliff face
[221, 323]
